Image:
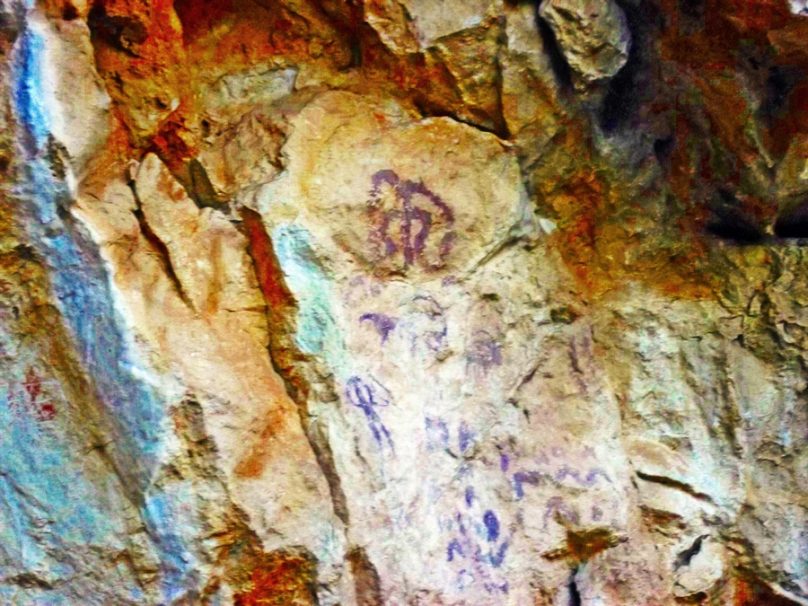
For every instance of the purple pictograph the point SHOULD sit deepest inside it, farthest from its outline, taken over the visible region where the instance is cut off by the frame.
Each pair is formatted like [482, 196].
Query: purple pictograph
[383, 324]
[484, 352]
[367, 395]
[410, 221]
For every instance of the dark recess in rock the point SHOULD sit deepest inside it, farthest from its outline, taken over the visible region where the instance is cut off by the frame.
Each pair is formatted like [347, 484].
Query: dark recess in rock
[119, 32]
[575, 594]
[780, 82]
[631, 86]
[686, 556]
[663, 148]
[558, 63]
[691, 15]
[730, 222]
[793, 223]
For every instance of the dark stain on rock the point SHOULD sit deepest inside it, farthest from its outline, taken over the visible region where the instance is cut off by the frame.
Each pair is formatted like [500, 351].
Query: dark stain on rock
[201, 190]
[366, 578]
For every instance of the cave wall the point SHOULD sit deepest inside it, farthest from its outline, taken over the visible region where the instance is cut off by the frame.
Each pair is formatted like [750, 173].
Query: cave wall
[414, 302]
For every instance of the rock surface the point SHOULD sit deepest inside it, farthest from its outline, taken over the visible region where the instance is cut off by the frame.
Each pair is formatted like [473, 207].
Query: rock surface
[464, 303]
[592, 34]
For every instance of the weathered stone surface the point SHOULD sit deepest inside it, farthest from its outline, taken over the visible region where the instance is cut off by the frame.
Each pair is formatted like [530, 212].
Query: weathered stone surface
[198, 311]
[424, 22]
[70, 74]
[386, 209]
[405, 303]
[592, 34]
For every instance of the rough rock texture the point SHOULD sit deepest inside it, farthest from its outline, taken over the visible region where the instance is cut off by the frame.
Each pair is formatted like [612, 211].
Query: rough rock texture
[592, 35]
[415, 302]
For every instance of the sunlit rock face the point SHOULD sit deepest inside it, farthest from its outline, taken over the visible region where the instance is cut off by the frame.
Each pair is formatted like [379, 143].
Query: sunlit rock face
[460, 303]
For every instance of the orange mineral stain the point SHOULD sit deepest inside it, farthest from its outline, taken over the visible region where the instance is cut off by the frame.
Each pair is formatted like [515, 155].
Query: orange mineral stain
[280, 580]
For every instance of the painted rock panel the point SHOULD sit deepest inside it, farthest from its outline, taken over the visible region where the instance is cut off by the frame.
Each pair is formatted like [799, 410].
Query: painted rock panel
[404, 303]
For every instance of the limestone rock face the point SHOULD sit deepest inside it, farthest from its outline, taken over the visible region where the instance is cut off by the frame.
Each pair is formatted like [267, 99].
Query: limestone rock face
[468, 303]
[593, 35]
[413, 24]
